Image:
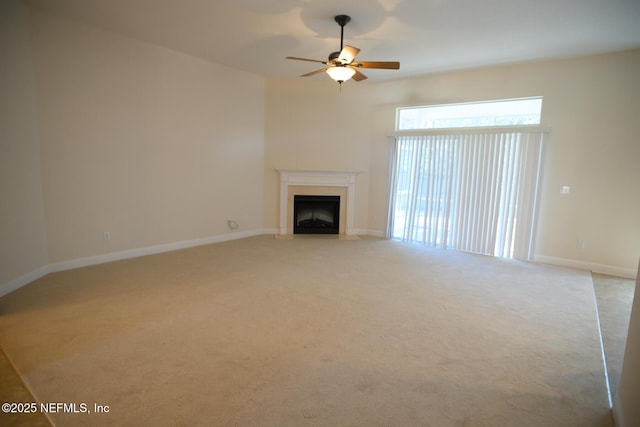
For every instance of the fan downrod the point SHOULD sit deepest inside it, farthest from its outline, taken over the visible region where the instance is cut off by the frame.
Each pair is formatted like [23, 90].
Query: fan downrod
[342, 21]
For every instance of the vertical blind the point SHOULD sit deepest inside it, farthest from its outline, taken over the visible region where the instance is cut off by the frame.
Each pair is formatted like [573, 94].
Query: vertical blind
[474, 192]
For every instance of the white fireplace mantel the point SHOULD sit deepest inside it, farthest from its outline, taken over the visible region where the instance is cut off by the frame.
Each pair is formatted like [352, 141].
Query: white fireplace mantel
[318, 178]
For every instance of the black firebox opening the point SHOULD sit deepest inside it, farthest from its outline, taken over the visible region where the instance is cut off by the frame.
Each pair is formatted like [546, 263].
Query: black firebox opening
[316, 214]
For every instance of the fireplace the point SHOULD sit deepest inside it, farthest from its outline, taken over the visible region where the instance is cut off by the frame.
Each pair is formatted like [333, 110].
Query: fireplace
[317, 183]
[314, 214]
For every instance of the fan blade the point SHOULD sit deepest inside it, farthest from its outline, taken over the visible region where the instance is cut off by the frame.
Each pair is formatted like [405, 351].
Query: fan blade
[314, 72]
[358, 76]
[386, 65]
[305, 59]
[348, 54]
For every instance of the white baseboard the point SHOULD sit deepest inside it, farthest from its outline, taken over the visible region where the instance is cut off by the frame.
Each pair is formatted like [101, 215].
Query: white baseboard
[612, 270]
[149, 250]
[25, 279]
[356, 232]
[21, 281]
[374, 233]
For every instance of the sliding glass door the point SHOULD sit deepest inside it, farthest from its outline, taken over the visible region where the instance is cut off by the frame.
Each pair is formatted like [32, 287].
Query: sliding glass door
[472, 191]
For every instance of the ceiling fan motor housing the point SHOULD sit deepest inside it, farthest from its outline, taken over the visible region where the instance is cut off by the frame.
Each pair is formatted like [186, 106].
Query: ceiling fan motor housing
[333, 55]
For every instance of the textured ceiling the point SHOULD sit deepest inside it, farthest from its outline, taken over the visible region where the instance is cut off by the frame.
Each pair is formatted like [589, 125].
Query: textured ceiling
[426, 36]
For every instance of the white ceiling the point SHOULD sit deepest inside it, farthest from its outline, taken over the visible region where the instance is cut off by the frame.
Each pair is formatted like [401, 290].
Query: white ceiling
[426, 36]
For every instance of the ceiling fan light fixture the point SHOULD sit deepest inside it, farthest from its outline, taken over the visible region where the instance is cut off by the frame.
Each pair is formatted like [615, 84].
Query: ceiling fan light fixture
[340, 66]
[340, 73]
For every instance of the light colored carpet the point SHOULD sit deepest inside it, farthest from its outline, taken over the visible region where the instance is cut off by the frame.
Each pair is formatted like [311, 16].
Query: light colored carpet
[327, 332]
[14, 391]
[614, 296]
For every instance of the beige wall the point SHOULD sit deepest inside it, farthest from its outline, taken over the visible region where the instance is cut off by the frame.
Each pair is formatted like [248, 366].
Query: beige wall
[22, 224]
[151, 145]
[311, 125]
[591, 105]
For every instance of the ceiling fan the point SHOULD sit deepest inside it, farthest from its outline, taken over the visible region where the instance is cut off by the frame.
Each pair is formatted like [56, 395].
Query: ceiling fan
[341, 66]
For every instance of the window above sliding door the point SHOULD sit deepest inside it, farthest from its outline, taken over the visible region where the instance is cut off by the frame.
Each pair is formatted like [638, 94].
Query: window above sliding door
[506, 112]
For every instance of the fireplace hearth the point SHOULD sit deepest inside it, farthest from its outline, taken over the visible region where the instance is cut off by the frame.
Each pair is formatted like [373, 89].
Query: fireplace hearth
[313, 214]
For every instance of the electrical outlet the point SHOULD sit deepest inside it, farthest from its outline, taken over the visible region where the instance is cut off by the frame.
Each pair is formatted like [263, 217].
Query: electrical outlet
[565, 189]
[580, 244]
[106, 235]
